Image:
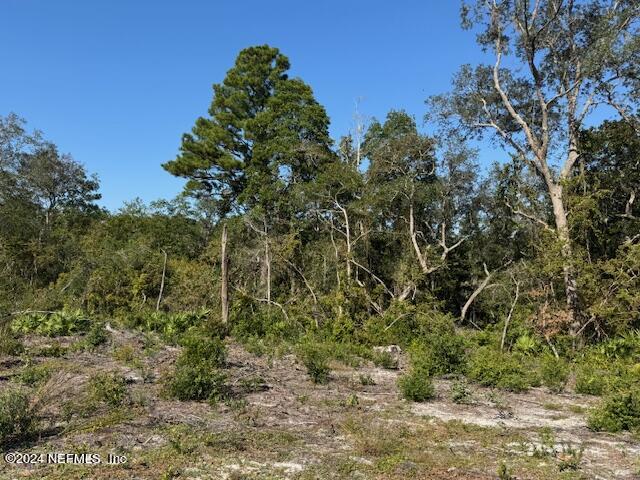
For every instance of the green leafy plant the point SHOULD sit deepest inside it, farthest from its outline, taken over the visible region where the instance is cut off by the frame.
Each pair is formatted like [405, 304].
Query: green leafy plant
[366, 380]
[9, 344]
[620, 411]
[34, 374]
[385, 359]
[416, 385]
[51, 324]
[315, 357]
[590, 380]
[554, 372]
[17, 419]
[198, 374]
[526, 344]
[460, 392]
[492, 368]
[109, 388]
[96, 336]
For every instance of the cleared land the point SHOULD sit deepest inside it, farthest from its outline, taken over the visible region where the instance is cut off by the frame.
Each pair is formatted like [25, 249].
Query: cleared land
[281, 425]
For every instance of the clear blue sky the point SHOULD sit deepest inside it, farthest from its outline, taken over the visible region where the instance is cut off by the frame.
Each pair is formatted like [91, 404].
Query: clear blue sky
[116, 82]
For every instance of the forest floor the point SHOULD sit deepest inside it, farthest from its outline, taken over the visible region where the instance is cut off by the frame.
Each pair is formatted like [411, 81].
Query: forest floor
[285, 427]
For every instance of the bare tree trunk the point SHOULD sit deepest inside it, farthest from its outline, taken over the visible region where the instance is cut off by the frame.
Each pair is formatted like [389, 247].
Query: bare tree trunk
[267, 267]
[570, 283]
[475, 293]
[224, 283]
[164, 271]
[347, 228]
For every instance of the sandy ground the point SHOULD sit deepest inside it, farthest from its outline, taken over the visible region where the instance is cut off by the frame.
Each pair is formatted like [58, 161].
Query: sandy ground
[290, 428]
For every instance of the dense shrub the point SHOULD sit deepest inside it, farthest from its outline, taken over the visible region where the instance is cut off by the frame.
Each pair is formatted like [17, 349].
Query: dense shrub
[619, 411]
[554, 372]
[9, 344]
[17, 420]
[314, 356]
[96, 336]
[416, 385]
[109, 388]
[51, 324]
[197, 375]
[491, 368]
[248, 318]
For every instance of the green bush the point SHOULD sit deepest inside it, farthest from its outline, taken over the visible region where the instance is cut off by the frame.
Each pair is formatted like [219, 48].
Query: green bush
[9, 344]
[591, 380]
[96, 336]
[492, 368]
[197, 375]
[197, 382]
[554, 372]
[620, 411]
[32, 375]
[385, 360]
[51, 324]
[17, 420]
[416, 385]
[366, 380]
[460, 392]
[248, 318]
[109, 388]
[315, 357]
[54, 350]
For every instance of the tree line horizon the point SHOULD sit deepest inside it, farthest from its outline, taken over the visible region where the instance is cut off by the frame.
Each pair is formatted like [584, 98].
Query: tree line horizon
[356, 236]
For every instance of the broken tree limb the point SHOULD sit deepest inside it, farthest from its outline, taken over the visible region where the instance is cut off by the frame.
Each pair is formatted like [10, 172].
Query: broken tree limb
[164, 272]
[508, 319]
[476, 292]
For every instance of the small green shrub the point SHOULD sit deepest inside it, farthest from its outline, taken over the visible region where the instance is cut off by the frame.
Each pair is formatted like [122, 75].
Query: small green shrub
[96, 336]
[125, 353]
[248, 318]
[526, 345]
[620, 411]
[366, 380]
[570, 458]
[197, 375]
[9, 344]
[17, 420]
[460, 392]
[385, 360]
[315, 357]
[55, 350]
[416, 385]
[51, 324]
[554, 372]
[492, 368]
[199, 347]
[32, 375]
[109, 388]
[197, 382]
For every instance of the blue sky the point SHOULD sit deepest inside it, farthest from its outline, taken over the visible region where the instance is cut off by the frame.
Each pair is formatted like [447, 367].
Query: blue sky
[116, 82]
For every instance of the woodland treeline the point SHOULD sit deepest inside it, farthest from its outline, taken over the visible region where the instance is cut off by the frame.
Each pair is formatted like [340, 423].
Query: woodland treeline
[369, 237]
